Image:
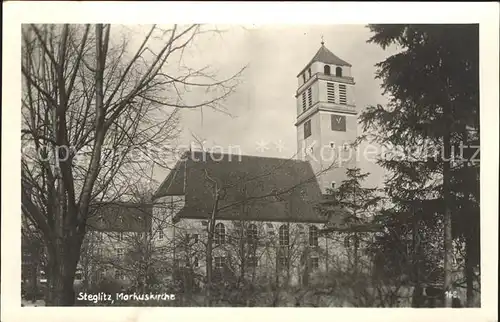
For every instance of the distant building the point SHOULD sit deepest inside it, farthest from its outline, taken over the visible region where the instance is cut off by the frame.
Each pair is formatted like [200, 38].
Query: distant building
[114, 229]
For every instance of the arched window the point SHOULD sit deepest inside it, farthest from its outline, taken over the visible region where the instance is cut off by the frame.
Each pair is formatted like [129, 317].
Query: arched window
[347, 242]
[270, 229]
[119, 275]
[338, 71]
[283, 261]
[252, 234]
[314, 262]
[284, 235]
[351, 241]
[219, 262]
[220, 234]
[313, 236]
[326, 70]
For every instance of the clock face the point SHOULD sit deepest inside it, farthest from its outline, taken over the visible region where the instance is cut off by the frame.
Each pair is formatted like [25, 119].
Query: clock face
[338, 123]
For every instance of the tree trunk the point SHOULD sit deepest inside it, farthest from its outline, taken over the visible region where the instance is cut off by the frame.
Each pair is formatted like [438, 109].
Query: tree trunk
[62, 263]
[305, 277]
[34, 281]
[417, 296]
[448, 238]
[327, 257]
[211, 229]
[69, 219]
[418, 290]
[469, 270]
[356, 259]
[276, 281]
[208, 285]
[60, 279]
[243, 242]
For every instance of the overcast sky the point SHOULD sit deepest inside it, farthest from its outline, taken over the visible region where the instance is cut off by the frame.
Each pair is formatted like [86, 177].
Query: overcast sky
[263, 109]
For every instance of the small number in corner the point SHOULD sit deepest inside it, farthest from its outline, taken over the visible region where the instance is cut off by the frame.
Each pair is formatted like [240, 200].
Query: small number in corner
[451, 294]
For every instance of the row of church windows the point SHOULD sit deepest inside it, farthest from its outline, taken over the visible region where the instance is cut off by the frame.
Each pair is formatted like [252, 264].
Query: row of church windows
[252, 235]
[251, 261]
[121, 236]
[220, 262]
[119, 275]
[326, 70]
[102, 222]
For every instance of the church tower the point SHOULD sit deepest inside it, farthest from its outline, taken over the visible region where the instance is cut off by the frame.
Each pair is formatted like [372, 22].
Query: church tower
[326, 117]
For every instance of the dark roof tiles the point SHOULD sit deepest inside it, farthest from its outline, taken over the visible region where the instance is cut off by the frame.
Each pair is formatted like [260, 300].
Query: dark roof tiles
[120, 217]
[252, 187]
[323, 55]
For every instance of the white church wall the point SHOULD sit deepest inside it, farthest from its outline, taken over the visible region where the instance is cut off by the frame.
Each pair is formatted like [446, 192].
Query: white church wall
[314, 140]
[329, 252]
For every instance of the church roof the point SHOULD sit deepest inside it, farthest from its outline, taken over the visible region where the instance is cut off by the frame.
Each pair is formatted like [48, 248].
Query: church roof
[120, 216]
[323, 55]
[253, 188]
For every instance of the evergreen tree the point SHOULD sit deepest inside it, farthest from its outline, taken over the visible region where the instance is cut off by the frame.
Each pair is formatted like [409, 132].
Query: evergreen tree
[433, 111]
[357, 204]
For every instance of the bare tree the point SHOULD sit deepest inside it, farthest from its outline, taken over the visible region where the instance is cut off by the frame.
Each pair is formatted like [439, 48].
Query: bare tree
[218, 193]
[88, 103]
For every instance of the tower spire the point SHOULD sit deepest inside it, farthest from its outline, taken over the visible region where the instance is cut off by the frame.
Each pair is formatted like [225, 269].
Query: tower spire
[322, 41]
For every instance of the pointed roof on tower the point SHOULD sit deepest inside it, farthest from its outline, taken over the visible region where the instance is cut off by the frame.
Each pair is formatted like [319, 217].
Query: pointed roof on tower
[323, 55]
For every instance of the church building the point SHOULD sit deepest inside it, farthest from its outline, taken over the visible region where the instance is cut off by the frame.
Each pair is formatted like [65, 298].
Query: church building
[264, 210]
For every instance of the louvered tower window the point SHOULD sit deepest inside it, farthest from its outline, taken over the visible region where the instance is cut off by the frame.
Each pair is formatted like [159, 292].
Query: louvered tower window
[309, 96]
[342, 94]
[330, 92]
